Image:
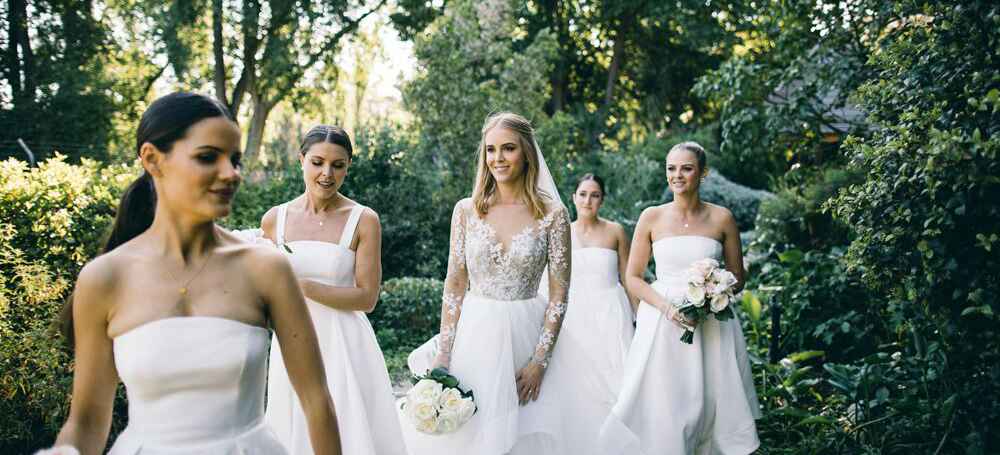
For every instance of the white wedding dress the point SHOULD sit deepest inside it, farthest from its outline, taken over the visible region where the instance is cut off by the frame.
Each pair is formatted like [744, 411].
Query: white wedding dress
[495, 323]
[355, 368]
[195, 386]
[679, 398]
[593, 343]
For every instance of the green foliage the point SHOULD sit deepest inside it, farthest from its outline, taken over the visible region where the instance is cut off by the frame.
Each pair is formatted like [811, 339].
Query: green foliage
[470, 65]
[51, 221]
[407, 315]
[925, 215]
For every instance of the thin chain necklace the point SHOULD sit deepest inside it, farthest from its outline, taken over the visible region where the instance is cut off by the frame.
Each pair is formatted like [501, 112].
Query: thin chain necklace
[183, 290]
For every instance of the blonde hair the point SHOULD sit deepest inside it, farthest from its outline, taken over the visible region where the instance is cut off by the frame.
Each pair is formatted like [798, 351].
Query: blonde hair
[484, 191]
[693, 147]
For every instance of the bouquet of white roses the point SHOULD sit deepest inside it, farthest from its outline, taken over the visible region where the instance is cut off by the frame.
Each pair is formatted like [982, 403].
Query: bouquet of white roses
[710, 291]
[435, 405]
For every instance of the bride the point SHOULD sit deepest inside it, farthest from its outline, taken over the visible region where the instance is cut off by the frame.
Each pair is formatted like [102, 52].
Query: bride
[497, 335]
[682, 398]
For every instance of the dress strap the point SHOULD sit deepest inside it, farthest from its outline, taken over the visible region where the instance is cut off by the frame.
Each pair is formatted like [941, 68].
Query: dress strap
[282, 213]
[352, 225]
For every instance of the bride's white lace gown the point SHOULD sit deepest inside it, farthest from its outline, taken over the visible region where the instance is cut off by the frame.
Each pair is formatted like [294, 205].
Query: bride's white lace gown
[494, 325]
[195, 387]
[682, 398]
[355, 368]
[592, 346]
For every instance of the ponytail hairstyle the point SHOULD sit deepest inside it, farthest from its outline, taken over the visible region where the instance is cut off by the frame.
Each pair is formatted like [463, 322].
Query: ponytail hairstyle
[329, 134]
[165, 121]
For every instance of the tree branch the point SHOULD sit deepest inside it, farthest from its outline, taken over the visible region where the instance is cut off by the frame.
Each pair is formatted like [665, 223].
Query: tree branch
[217, 50]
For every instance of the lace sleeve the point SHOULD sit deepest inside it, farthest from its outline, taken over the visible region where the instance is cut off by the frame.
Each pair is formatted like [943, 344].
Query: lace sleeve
[455, 285]
[558, 275]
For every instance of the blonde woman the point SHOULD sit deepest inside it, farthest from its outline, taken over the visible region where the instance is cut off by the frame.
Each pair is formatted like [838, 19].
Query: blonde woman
[497, 335]
[682, 398]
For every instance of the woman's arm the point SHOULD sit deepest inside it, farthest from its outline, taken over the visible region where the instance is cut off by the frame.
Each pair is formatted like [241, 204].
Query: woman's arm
[529, 378]
[638, 259]
[94, 375]
[299, 347]
[455, 285]
[367, 272]
[623, 252]
[732, 249]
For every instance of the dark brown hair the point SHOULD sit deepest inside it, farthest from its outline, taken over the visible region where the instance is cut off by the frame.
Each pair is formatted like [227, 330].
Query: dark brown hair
[590, 176]
[165, 121]
[330, 134]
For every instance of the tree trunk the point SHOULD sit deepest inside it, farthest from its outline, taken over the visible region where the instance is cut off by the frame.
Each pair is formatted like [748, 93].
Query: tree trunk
[218, 51]
[618, 49]
[258, 120]
[20, 70]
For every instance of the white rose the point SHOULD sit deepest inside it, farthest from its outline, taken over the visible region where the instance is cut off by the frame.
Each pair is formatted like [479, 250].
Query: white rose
[725, 279]
[787, 363]
[719, 302]
[696, 295]
[427, 390]
[705, 266]
[448, 422]
[467, 409]
[450, 400]
[429, 426]
[696, 278]
[421, 410]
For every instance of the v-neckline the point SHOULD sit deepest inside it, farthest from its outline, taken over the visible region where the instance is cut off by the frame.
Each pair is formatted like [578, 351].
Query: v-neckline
[495, 236]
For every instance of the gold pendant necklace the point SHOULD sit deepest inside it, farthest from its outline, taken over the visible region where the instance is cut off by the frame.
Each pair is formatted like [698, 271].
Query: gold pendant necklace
[183, 289]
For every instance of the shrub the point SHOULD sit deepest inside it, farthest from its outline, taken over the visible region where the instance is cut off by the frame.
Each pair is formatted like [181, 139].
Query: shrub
[52, 219]
[407, 315]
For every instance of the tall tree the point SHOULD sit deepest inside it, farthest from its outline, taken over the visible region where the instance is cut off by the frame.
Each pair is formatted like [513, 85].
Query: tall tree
[261, 51]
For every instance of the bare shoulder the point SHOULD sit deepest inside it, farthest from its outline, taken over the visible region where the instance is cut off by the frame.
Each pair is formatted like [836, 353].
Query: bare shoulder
[96, 284]
[721, 215]
[369, 216]
[464, 204]
[269, 222]
[260, 262]
[652, 214]
[616, 228]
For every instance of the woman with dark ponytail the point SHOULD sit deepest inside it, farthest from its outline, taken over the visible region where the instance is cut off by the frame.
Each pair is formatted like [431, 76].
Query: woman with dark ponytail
[179, 309]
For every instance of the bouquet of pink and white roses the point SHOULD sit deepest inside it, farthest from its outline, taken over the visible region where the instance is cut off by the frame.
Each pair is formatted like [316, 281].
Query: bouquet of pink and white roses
[435, 405]
[711, 289]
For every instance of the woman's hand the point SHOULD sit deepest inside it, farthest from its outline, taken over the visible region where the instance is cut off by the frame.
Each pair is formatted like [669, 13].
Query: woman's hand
[529, 382]
[677, 317]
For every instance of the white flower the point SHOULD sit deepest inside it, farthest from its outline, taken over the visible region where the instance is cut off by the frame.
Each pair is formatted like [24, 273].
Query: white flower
[429, 426]
[725, 280]
[427, 390]
[787, 363]
[467, 409]
[719, 302]
[897, 355]
[421, 410]
[448, 422]
[704, 267]
[696, 295]
[696, 278]
[450, 400]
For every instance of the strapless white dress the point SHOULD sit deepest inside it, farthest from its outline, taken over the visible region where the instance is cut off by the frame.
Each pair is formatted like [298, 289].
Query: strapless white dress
[595, 337]
[682, 398]
[355, 367]
[195, 386]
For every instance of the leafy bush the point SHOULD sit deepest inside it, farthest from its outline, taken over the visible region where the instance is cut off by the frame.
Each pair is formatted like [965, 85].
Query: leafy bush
[407, 315]
[796, 218]
[925, 216]
[51, 221]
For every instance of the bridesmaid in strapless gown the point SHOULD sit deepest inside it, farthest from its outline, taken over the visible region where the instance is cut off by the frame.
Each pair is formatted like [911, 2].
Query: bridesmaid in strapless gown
[597, 332]
[682, 398]
[176, 307]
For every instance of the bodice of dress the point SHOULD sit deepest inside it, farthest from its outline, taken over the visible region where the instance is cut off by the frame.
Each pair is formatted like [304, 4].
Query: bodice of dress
[193, 380]
[594, 268]
[325, 262]
[675, 254]
[479, 263]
